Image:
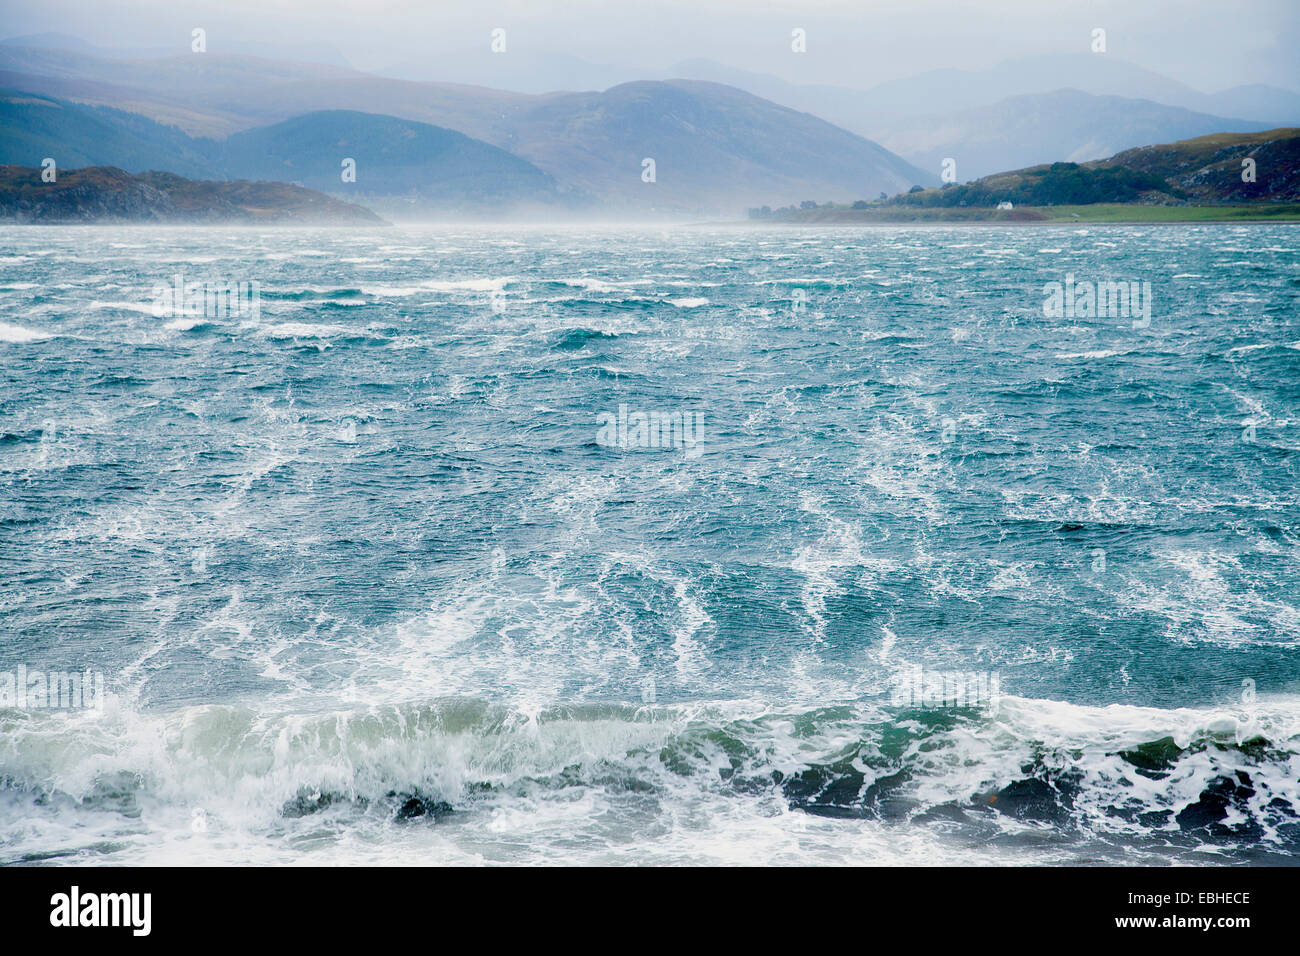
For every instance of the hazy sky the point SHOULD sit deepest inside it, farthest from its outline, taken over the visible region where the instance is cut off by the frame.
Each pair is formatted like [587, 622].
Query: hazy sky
[1208, 44]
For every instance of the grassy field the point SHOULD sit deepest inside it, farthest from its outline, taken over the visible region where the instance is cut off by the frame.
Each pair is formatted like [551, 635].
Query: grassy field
[1125, 212]
[1100, 212]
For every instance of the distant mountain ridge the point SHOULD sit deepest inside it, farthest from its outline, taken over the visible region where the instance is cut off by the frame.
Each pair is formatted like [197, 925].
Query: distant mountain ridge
[1066, 125]
[523, 71]
[706, 140]
[1100, 75]
[713, 147]
[308, 52]
[429, 165]
[1075, 107]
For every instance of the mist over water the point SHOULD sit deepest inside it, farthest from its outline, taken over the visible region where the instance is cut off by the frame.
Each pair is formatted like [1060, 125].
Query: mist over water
[367, 582]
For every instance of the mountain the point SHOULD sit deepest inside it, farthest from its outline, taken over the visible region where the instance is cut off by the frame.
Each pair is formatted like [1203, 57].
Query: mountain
[34, 127]
[715, 147]
[1067, 125]
[309, 52]
[182, 73]
[1206, 169]
[215, 94]
[1100, 74]
[54, 41]
[854, 109]
[1074, 107]
[105, 194]
[1256, 100]
[432, 165]
[207, 94]
[521, 70]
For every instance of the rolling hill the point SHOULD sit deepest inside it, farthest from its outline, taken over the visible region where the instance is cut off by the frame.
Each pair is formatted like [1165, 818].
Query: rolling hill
[1209, 168]
[1194, 180]
[105, 194]
[436, 166]
[430, 167]
[1206, 169]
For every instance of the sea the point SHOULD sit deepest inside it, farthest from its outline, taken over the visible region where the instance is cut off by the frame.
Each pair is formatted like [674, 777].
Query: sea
[613, 545]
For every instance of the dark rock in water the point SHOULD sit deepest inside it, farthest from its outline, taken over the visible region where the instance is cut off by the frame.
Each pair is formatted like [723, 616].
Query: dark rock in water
[414, 806]
[305, 804]
[1154, 759]
[107, 194]
[1154, 819]
[1033, 799]
[841, 790]
[1211, 809]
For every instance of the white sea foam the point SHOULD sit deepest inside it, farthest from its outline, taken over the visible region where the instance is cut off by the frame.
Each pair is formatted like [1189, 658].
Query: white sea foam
[145, 308]
[342, 582]
[16, 333]
[1095, 354]
[185, 324]
[245, 768]
[437, 285]
[307, 330]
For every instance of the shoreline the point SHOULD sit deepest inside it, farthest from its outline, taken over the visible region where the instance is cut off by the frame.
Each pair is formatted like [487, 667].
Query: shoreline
[893, 224]
[1098, 213]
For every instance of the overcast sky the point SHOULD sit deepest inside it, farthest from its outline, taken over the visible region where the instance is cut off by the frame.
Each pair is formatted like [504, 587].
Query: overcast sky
[1208, 44]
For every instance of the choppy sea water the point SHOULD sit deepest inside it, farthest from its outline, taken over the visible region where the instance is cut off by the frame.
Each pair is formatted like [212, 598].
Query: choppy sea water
[366, 581]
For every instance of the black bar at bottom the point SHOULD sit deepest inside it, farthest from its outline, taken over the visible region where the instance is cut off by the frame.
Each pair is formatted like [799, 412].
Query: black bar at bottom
[330, 906]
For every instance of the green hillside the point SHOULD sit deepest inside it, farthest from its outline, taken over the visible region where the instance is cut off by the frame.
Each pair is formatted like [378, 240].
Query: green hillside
[1055, 185]
[34, 127]
[1207, 169]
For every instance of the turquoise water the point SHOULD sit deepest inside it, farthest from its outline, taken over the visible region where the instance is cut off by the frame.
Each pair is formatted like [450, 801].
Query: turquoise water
[382, 568]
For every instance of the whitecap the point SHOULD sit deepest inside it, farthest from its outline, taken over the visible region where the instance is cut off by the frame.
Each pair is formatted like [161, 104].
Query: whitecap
[305, 330]
[16, 333]
[1099, 353]
[146, 308]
